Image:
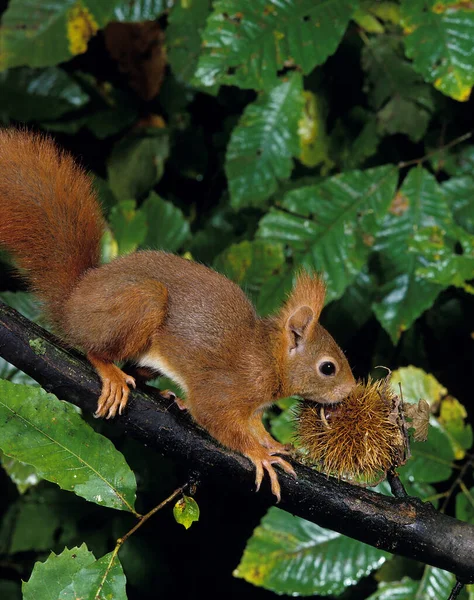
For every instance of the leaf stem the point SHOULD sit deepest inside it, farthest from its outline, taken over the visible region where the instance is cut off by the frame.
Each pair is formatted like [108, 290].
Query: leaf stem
[451, 144]
[125, 537]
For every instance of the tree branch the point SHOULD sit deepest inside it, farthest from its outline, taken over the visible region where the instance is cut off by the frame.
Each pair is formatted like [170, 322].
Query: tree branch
[402, 526]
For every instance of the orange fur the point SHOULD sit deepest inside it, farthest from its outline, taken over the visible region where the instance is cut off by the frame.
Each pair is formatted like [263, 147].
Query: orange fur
[160, 311]
[50, 219]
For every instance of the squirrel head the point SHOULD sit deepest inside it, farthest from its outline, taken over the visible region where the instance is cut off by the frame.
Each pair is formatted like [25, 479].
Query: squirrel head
[313, 365]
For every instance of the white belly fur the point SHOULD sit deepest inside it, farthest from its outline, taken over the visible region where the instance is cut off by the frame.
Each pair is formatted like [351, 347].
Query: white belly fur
[157, 362]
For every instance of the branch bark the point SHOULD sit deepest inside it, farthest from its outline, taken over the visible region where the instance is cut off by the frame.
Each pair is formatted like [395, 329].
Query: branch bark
[402, 526]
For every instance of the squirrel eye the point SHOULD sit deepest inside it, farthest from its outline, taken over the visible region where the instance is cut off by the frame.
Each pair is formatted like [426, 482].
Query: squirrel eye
[327, 368]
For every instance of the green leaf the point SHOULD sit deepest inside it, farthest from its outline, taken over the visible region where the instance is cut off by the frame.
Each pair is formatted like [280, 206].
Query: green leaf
[289, 555]
[314, 141]
[186, 511]
[283, 425]
[452, 418]
[38, 94]
[441, 261]
[101, 580]
[404, 296]
[24, 303]
[39, 34]
[435, 583]
[183, 36]
[396, 590]
[10, 590]
[367, 21]
[246, 42]
[139, 10]
[403, 101]
[23, 476]
[167, 228]
[129, 226]
[38, 429]
[136, 164]
[459, 192]
[274, 291]
[29, 525]
[331, 227]
[49, 578]
[432, 460]
[250, 264]
[417, 385]
[261, 147]
[465, 505]
[439, 40]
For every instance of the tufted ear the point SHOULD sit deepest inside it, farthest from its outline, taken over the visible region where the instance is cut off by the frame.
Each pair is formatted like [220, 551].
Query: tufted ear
[298, 327]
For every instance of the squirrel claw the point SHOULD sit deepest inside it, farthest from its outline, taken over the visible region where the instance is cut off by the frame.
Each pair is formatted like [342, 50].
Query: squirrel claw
[280, 449]
[114, 396]
[262, 465]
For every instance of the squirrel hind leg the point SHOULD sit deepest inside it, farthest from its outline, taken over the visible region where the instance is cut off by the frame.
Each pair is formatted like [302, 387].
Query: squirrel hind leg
[266, 464]
[115, 387]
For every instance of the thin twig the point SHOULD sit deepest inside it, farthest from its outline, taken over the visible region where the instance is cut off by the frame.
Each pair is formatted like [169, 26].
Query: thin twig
[456, 590]
[451, 144]
[121, 541]
[459, 479]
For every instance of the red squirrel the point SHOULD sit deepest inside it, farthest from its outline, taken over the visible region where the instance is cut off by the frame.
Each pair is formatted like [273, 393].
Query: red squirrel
[173, 316]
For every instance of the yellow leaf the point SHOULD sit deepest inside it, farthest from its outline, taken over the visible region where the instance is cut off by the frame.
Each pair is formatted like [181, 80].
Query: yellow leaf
[81, 26]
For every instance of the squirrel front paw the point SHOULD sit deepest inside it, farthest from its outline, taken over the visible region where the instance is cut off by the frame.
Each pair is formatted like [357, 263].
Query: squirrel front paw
[264, 462]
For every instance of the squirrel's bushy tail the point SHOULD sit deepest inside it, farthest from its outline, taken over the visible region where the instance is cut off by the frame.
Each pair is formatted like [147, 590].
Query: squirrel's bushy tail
[50, 220]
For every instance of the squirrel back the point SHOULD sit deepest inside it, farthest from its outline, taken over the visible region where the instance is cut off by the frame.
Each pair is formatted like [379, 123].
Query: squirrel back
[51, 221]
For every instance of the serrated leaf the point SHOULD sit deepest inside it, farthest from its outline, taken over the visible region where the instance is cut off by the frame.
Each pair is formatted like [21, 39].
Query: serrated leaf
[183, 40]
[440, 37]
[49, 578]
[262, 145]
[136, 164]
[139, 10]
[23, 476]
[465, 505]
[129, 226]
[38, 429]
[250, 264]
[167, 228]
[186, 511]
[40, 34]
[101, 580]
[404, 296]
[38, 94]
[247, 42]
[289, 555]
[331, 227]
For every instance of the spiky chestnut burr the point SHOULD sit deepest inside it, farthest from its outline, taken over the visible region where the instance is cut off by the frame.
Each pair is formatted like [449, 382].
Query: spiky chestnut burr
[360, 439]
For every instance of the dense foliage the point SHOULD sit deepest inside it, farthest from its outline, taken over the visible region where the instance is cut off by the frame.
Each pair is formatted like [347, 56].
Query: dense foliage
[259, 137]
